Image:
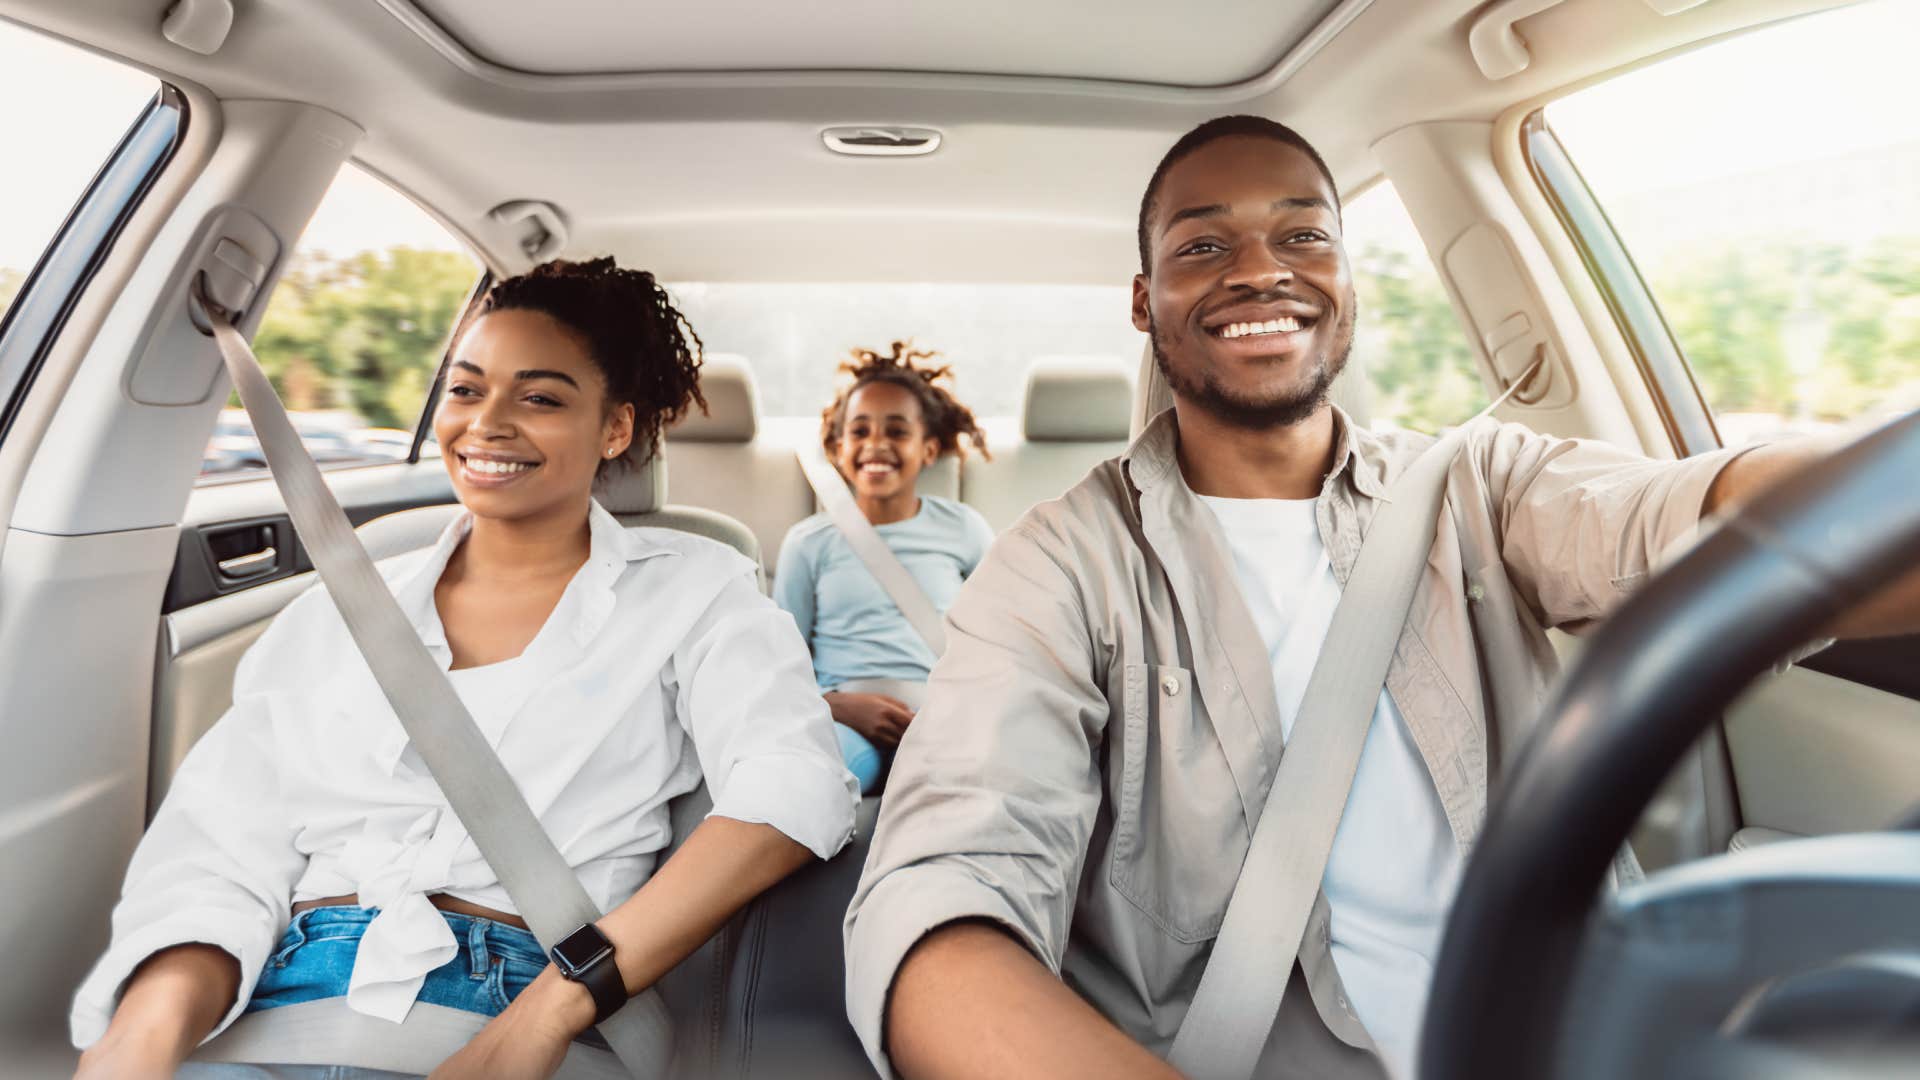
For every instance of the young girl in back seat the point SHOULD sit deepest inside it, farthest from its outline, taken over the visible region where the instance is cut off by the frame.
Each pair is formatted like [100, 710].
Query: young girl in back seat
[893, 420]
[304, 850]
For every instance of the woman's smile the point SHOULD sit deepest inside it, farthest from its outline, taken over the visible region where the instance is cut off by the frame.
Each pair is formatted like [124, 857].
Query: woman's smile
[493, 471]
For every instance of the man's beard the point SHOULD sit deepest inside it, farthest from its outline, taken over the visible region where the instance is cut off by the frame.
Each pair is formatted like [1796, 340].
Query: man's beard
[1258, 414]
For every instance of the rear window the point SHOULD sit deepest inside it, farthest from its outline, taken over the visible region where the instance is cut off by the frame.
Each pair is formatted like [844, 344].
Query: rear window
[794, 336]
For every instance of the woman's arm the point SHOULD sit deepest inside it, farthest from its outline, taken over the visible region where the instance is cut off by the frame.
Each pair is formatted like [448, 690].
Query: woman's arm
[723, 865]
[170, 1004]
[745, 694]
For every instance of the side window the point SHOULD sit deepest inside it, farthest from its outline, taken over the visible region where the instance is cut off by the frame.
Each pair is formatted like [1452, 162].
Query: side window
[1407, 338]
[73, 139]
[354, 331]
[1768, 190]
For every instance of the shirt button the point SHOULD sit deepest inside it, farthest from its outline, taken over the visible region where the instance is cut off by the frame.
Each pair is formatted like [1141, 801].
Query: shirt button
[1170, 685]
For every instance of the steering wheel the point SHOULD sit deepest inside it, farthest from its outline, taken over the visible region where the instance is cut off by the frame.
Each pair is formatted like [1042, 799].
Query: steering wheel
[1797, 959]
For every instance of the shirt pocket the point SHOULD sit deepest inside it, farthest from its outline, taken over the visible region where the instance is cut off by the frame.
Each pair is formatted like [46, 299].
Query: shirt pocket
[1180, 833]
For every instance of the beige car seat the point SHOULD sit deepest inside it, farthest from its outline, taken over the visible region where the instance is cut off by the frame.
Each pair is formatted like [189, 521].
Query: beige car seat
[1075, 416]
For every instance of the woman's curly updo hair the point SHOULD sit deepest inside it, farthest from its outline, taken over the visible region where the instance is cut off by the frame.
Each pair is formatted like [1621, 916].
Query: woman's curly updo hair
[642, 344]
[948, 421]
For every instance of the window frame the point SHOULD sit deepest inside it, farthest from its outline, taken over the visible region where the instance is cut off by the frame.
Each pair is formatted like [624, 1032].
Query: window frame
[423, 429]
[52, 290]
[1683, 408]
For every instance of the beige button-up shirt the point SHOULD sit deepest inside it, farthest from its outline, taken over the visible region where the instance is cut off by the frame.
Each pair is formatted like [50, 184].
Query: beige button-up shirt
[1101, 734]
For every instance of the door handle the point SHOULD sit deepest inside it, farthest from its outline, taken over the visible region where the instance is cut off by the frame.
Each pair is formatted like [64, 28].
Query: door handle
[241, 567]
[244, 552]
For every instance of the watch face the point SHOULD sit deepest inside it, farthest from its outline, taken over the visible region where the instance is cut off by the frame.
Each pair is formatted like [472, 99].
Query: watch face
[579, 950]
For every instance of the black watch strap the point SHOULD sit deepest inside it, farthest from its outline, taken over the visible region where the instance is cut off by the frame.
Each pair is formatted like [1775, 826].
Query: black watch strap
[586, 957]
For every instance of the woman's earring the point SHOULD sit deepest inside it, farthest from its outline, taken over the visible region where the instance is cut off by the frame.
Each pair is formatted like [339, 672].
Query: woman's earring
[610, 451]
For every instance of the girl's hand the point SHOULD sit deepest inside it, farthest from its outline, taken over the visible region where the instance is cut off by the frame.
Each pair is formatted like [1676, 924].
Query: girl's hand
[528, 1040]
[878, 717]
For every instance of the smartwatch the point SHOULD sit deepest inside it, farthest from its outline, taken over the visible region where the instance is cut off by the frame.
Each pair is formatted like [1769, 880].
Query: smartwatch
[586, 957]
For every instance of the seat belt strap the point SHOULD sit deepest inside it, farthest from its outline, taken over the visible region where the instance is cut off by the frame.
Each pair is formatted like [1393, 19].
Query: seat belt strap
[1234, 1006]
[478, 787]
[873, 552]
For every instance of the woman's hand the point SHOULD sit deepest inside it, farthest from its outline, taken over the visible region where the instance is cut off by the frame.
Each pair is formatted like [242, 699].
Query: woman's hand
[528, 1040]
[878, 717]
[723, 864]
[133, 1053]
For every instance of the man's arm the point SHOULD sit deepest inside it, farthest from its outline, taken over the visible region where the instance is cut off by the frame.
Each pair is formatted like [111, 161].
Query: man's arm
[982, 837]
[1582, 523]
[971, 1002]
[1893, 610]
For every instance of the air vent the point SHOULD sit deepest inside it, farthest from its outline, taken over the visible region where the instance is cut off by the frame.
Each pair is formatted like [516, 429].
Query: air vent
[881, 141]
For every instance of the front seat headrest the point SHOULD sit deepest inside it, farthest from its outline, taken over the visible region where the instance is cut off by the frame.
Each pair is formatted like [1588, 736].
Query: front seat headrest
[1077, 399]
[641, 489]
[733, 404]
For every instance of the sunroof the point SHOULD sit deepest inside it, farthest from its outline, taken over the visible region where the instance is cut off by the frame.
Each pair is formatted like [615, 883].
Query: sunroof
[1196, 43]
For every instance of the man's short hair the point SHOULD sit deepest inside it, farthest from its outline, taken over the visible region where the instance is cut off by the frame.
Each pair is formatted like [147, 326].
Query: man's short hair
[1223, 127]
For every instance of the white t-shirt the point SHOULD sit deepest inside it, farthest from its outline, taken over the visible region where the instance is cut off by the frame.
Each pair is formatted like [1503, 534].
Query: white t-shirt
[1394, 866]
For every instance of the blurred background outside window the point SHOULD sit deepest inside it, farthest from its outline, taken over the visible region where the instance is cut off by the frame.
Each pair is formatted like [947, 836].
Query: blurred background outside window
[56, 142]
[1406, 337]
[1768, 188]
[354, 331]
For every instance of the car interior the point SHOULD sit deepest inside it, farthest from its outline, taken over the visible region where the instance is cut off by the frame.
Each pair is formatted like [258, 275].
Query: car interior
[849, 150]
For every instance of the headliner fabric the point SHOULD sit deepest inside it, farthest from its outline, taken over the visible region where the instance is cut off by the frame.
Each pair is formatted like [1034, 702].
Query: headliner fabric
[1077, 400]
[733, 404]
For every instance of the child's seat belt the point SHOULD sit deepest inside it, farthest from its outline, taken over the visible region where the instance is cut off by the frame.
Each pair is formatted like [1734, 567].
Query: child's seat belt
[1234, 1007]
[872, 551]
[478, 787]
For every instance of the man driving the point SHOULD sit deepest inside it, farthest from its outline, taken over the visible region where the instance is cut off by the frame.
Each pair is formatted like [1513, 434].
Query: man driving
[1066, 823]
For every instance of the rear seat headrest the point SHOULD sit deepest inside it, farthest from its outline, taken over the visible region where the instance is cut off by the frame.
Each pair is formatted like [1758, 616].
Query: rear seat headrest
[641, 489]
[733, 404]
[1077, 399]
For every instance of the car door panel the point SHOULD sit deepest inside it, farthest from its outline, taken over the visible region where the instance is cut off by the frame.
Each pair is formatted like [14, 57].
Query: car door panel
[210, 623]
[1813, 753]
[227, 524]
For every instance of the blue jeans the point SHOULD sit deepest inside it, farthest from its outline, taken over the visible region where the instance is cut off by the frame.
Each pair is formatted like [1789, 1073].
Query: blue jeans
[862, 759]
[315, 958]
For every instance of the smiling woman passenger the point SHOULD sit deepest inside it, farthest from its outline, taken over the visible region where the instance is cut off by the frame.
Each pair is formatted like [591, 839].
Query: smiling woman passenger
[305, 852]
[892, 420]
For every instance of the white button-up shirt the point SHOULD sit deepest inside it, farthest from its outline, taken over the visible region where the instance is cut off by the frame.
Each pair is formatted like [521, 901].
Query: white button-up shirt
[662, 662]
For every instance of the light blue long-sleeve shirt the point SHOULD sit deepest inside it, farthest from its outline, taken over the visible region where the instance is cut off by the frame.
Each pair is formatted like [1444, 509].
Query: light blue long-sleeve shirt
[850, 624]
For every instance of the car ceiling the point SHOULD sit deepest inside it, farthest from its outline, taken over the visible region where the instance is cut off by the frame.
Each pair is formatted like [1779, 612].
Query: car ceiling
[686, 138]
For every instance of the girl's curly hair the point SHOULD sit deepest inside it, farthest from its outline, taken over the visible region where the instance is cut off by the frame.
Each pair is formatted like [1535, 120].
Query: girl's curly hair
[636, 337]
[948, 421]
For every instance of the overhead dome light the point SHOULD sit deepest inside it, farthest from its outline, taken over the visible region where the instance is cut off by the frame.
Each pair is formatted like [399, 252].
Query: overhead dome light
[871, 141]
